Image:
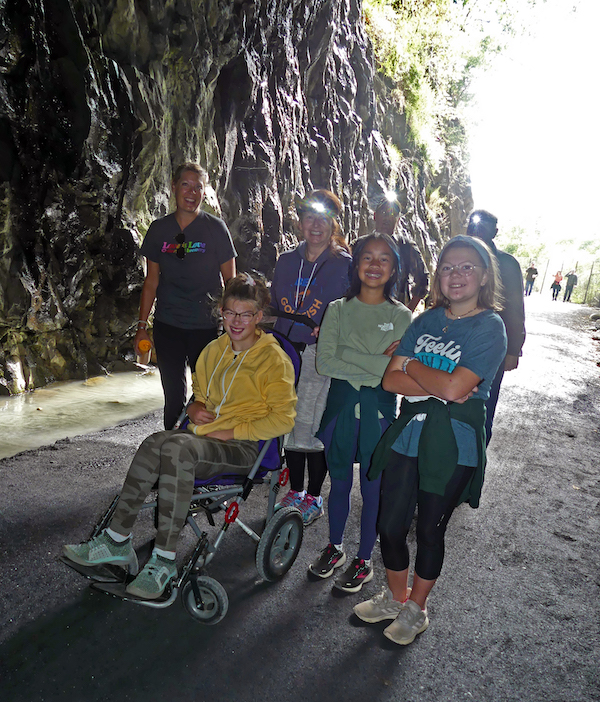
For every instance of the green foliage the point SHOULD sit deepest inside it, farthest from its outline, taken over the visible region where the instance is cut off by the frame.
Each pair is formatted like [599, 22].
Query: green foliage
[523, 245]
[591, 246]
[430, 50]
[437, 204]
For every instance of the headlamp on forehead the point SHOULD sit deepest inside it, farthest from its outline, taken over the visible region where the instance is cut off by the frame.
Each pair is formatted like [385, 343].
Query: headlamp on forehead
[388, 204]
[475, 219]
[312, 204]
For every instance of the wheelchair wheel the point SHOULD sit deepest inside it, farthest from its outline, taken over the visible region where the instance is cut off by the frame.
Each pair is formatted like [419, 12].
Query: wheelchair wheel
[213, 603]
[279, 544]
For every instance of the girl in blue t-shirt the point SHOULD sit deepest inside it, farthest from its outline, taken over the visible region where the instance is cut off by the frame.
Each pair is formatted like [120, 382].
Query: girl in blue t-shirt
[434, 454]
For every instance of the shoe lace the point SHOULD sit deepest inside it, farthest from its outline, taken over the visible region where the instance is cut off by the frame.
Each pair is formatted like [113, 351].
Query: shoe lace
[154, 567]
[381, 597]
[307, 504]
[98, 541]
[407, 616]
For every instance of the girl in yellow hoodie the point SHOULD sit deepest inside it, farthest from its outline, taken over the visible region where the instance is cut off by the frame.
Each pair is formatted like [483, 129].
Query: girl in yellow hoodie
[244, 392]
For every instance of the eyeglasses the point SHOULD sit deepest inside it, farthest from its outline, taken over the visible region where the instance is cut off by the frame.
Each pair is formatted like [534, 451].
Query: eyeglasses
[180, 239]
[245, 317]
[465, 269]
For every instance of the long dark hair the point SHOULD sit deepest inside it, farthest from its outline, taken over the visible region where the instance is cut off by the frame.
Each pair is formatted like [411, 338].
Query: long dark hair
[389, 291]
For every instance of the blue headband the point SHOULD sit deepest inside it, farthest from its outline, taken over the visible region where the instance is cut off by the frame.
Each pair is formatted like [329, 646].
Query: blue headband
[472, 241]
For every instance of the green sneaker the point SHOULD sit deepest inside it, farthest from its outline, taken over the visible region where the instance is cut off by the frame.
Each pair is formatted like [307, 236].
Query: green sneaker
[153, 578]
[103, 550]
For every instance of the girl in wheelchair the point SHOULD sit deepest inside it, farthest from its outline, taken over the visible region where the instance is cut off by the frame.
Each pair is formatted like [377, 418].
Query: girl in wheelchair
[244, 392]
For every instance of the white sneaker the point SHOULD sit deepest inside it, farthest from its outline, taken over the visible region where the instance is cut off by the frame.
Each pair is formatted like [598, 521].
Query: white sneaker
[410, 622]
[381, 606]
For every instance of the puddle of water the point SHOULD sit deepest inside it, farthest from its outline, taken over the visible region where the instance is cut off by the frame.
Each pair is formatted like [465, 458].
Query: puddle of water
[61, 410]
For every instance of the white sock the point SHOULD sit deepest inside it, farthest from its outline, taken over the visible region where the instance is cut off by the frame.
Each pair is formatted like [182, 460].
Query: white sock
[340, 547]
[164, 554]
[302, 494]
[119, 538]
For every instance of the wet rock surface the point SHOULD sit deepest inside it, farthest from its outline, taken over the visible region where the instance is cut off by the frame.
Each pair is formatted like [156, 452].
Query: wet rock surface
[99, 100]
[514, 615]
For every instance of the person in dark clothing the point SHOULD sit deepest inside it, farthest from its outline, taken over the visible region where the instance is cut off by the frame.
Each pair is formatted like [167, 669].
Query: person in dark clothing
[570, 284]
[305, 281]
[530, 275]
[484, 225]
[413, 285]
[189, 256]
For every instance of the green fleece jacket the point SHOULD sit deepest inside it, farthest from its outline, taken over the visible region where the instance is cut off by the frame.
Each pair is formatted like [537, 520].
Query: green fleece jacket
[438, 452]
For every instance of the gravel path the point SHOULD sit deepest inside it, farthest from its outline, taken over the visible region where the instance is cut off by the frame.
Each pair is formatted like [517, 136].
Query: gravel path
[515, 615]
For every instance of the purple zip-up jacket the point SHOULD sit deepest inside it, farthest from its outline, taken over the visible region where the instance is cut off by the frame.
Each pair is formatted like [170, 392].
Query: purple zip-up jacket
[304, 287]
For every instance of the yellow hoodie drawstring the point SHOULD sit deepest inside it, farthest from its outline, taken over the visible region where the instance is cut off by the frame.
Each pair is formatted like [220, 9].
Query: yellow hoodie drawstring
[225, 392]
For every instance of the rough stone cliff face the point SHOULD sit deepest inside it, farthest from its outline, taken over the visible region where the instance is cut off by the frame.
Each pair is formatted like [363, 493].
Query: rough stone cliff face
[99, 100]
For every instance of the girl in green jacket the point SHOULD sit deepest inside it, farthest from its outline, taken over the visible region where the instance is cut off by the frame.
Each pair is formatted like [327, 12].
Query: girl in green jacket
[358, 335]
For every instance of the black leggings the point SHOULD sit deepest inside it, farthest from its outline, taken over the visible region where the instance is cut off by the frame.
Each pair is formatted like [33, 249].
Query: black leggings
[175, 349]
[317, 470]
[399, 495]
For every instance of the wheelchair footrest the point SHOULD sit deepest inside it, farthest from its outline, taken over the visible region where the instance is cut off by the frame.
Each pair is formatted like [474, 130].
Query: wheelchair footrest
[99, 573]
[118, 590]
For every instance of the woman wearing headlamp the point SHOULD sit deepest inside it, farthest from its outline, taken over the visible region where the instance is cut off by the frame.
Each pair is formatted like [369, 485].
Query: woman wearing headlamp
[305, 281]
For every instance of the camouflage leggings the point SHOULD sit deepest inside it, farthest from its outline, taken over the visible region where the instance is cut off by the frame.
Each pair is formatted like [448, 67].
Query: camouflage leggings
[174, 458]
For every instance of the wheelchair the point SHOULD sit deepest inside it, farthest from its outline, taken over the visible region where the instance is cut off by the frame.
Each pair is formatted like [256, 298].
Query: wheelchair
[203, 597]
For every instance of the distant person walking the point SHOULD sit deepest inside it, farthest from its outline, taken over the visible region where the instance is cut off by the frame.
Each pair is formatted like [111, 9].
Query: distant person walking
[556, 287]
[484, 225]
[570, 284]
[189, 255]
[530, 275]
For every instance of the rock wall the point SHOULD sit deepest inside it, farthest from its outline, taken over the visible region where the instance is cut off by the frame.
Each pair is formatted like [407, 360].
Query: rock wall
[101, 99]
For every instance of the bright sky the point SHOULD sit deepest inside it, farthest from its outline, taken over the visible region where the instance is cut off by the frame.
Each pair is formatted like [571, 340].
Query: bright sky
[535, 147]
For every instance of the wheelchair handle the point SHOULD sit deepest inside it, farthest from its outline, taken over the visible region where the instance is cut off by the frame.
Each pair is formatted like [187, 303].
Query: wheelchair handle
[299, 318]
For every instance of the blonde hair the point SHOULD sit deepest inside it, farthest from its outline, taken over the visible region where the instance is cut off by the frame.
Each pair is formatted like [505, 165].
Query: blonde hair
[194, 168]
[490, 294]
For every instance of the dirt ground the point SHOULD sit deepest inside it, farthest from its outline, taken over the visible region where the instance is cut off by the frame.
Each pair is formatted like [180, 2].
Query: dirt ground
[515, 615]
